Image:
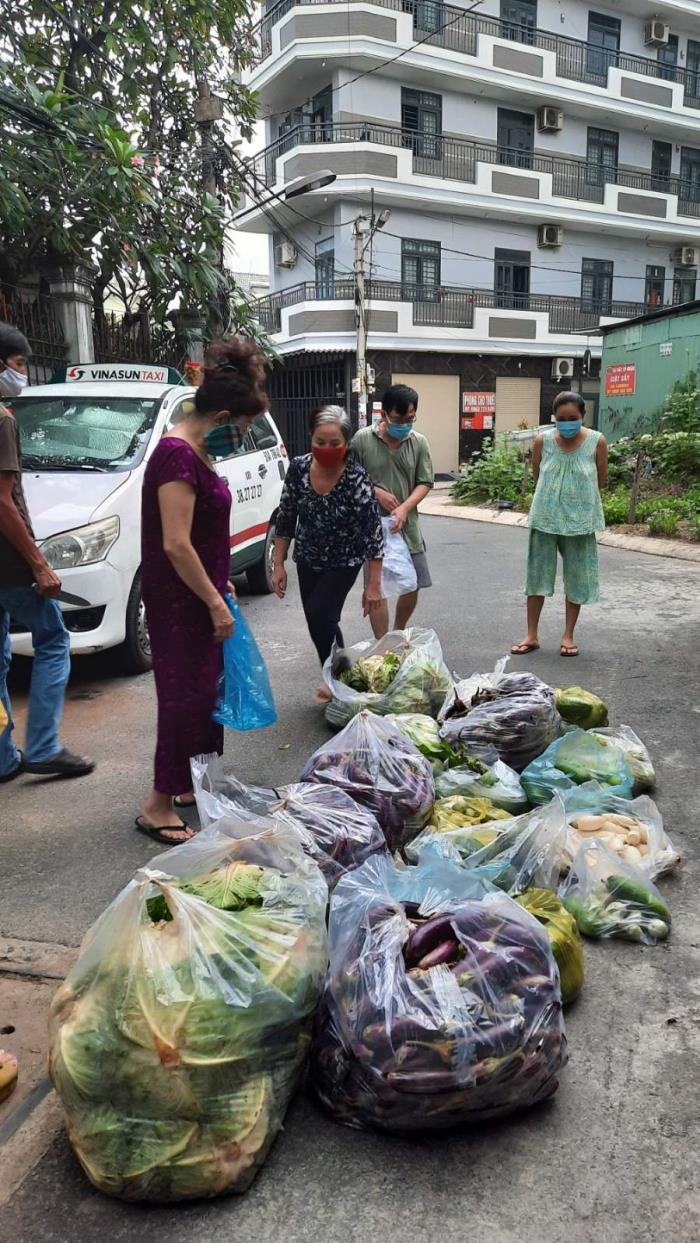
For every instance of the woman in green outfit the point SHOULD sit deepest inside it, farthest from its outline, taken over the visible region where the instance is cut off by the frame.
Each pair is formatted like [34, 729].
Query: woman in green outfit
[570, 465]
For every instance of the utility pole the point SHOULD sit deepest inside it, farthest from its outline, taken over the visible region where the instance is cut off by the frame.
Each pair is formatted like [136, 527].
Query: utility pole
[208, 109]
[364, 229]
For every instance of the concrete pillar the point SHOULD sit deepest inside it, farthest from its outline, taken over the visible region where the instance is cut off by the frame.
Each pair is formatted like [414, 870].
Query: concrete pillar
[189, 326]
[70, 285]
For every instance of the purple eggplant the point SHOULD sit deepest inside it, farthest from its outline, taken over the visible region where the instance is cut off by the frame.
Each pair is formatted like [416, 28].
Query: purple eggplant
[427, 937]
[445, 953]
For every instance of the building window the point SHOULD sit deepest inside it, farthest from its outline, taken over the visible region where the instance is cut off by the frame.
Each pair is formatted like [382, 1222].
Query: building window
[684, 283]
[421, 120]
[519, 20]
[428, 15]
[325, 268]
[596, 285]
[516, 138]
[668, 59]
[603, 44]
[654, 285]
[689, 190]
[420, 270]
[512, 279]
[661, 156]
[692, 68]
[601, 156]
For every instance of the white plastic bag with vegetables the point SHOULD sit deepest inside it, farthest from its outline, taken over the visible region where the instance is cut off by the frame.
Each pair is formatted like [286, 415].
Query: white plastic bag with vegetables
[609, 898]
[635, 753]
[401, 673]
[513, 712]
[382, 771]
[630, 828]
[442, 1005]
[179, 1036]
[328, 824]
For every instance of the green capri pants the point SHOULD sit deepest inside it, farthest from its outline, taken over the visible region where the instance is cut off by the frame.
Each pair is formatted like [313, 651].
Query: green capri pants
[579, 554]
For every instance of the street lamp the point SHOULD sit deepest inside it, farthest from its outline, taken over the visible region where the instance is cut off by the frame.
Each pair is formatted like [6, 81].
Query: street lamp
[293, 189]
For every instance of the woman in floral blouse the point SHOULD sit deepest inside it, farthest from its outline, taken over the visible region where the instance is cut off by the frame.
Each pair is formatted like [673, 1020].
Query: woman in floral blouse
[329, 509]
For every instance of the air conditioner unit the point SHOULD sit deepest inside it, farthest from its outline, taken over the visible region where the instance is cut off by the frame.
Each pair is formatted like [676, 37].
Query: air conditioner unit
[549, 236]
[656, 33]
[285, 255]
[686, 257]
[562, 368]
[550, 120]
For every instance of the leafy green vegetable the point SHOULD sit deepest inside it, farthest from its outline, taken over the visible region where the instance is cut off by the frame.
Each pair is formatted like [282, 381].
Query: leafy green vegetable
[229, 889]
[373, 673]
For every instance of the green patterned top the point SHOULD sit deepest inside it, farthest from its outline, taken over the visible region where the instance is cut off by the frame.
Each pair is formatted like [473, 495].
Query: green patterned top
[567, 497]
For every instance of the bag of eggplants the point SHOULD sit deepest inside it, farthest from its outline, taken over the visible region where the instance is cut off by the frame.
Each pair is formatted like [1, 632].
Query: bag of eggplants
[442, 1004]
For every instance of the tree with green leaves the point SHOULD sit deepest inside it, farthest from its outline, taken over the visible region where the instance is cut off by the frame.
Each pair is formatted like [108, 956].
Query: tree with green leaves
[120, 123]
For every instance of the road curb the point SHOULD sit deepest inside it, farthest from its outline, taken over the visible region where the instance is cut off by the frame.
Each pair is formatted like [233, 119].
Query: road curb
[440, 506]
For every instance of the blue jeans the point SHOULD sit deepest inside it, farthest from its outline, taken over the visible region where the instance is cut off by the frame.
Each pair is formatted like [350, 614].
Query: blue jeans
[50, 671]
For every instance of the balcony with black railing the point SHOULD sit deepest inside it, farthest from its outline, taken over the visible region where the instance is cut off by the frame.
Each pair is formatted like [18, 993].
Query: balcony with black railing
[450, 27]
[448, 307]
[456, 159]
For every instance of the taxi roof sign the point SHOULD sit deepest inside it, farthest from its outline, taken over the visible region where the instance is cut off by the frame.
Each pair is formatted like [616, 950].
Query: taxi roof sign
[151, 373]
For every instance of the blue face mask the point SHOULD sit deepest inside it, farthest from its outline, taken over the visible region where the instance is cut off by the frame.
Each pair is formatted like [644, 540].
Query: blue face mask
[400, 431]
[568, 428]
[223, 440]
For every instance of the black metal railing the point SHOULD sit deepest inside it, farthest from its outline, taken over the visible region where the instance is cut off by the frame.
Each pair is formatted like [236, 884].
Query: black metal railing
[36, 314]
[444, 307]
[456, 159]
[451, 27]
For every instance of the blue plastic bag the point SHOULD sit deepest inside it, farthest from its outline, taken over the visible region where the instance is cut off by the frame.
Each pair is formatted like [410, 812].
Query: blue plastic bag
[575, 758]
[245, 695]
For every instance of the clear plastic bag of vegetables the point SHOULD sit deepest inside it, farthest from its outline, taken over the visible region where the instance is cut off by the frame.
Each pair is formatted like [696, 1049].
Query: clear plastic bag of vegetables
[442, 1005]
[580, 707]
[180, 1034]
[514, 854]
[635, 753]
[578, 756]
[373, 762]
[630, 828]
[403, 672]
[424, 732]
[329, 825]
[514, 712]
[563, 934]
[477, 778]
[609, 898]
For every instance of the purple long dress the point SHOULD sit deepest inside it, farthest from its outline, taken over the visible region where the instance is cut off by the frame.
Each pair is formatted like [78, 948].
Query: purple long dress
[186, 660]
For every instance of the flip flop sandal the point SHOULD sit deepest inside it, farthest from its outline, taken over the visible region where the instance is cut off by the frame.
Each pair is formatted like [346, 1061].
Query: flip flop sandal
[522, 649]
[158, 834]
[565, 650]
[179, 801]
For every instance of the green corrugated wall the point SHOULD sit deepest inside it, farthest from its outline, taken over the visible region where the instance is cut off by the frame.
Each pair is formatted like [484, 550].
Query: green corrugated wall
[657, 372]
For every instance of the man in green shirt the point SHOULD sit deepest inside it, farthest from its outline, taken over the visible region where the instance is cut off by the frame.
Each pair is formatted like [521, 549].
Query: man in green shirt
[398, 461]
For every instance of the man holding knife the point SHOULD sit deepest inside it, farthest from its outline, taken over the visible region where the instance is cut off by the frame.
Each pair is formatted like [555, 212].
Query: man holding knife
[28, 591]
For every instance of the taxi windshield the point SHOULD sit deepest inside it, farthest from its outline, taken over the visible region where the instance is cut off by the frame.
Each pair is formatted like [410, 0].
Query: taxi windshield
[84, 433]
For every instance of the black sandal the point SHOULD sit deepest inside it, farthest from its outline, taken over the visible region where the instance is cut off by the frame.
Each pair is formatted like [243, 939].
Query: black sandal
[64, 764]
[16, 772]
[158, 834]
[180, 802]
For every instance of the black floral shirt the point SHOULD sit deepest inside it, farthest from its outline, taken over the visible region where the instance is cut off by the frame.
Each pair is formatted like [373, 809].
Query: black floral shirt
[341, 528]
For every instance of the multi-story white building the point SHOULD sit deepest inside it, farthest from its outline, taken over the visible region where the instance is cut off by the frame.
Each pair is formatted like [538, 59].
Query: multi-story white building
[541, 162]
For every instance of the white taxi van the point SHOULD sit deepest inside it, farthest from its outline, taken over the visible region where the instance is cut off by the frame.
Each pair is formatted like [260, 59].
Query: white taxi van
[86, 439]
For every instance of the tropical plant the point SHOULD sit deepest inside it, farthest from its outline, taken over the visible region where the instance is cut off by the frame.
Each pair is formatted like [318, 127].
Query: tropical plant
[495, 474]
[113, 155]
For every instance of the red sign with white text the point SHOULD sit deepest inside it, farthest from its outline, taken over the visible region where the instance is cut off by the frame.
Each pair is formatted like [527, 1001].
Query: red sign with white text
[621, 380]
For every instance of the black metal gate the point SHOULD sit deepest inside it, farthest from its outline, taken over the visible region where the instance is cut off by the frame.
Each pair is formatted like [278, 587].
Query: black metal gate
[299, 384]
[35, 314]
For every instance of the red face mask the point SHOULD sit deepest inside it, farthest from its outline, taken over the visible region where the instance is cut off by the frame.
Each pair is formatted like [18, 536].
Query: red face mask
[329, 455]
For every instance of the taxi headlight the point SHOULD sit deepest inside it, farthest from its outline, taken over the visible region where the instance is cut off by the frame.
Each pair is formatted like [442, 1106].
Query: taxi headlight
[82, 546]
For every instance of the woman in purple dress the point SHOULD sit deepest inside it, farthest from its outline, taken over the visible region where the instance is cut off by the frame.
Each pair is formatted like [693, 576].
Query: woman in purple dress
[185, 570]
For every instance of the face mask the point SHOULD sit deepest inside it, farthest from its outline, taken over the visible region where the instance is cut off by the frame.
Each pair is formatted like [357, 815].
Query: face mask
[329, 455]
[12, 382]
[223, 440]
[400, 431]
[568, 428]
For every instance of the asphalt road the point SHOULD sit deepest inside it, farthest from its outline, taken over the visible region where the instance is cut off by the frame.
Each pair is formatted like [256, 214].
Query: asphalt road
[614, 1157]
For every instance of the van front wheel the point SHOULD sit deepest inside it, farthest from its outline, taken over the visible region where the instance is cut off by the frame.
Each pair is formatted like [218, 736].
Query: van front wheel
[136, 648]
[260, 575]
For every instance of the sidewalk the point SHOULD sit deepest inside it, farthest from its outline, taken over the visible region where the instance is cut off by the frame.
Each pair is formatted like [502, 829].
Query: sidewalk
[439, 505]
